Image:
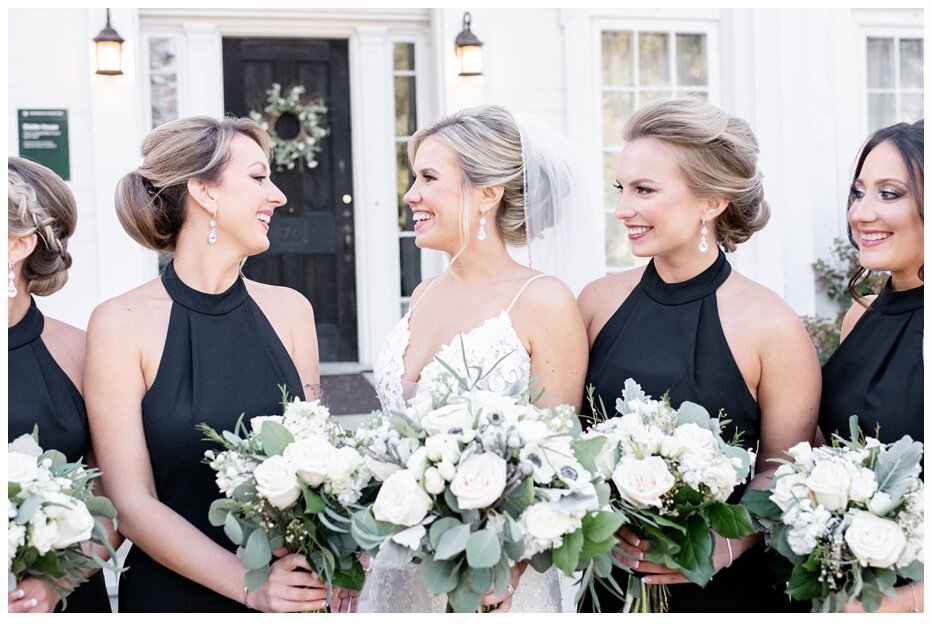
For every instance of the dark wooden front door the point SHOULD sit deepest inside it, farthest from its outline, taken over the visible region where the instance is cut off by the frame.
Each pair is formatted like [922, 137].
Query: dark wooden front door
[312, 240]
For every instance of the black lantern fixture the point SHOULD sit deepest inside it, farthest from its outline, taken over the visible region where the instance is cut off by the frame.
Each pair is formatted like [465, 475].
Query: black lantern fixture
[468, 50]
[109, 50]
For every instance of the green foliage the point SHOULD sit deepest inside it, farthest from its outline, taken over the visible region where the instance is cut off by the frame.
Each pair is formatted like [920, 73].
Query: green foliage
[832, 278]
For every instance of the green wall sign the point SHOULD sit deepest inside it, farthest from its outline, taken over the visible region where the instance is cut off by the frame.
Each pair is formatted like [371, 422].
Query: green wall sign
[43, 138]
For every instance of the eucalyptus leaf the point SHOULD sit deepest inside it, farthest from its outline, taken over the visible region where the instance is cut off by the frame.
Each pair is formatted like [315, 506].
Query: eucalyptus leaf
[439, 527]
[566, 556]
[541, 562]
[501, 575]
[101, 506]
[483, 550]
[440, 576]
[478, 579]
[313, 503]
[463, 599]
[595, 549]
[587, 450]
[233, 529]
[275, 438]
[691, 413]
[257, 552]
[602, 565]
[257, 577]
[245, 492]
[27, 509]
[913, 571]
[452, 542]
[602, 525]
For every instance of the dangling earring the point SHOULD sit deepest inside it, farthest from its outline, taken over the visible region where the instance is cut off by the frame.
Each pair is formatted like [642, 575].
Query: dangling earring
[212, 237]
[481, 235]
[703, 244]
[11, 287]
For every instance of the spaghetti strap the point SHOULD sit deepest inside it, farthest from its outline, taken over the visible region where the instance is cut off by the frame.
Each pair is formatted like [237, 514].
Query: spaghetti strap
[521, 290]
[421, 297]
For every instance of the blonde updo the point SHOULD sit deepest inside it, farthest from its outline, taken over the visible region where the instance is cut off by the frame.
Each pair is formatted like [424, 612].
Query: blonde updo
[718, 156]
[40, 203]
[150, 200]
[487, 144]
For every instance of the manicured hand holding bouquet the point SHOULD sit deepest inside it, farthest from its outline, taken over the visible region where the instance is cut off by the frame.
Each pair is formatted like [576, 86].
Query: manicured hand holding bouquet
[52, 526]
[847, 517]
[289, 481]
[475, 482]
[672, 474]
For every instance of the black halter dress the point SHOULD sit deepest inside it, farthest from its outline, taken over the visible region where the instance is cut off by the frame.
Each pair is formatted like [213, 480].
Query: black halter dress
[40, 393]
[668, 338]
[222, 358]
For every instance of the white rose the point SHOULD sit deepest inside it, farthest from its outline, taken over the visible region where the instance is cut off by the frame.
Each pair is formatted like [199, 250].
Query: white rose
[417, 462]
[642, 482]
[545, 523]
[607, 457]
[257, 422]
[880, 504]
[42, 532]
[479, 481]
[443, 448]
[454, 418]
[381, 470]
[21, 468]
[26, 445]
[863, 485]
[788, 488]
[721, 478]
[401, 500]
[277, 481]
[446, 470]
[531, 431]
[671, 447]
[433, 482]
[312, 459]
[801, 453]
[829, 482]
[72, 518]
[346, 460]
[875, 541]
[695, 439]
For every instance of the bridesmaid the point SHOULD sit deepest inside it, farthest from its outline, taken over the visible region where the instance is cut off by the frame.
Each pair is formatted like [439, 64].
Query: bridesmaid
[690, 190]
[46, 356]
[876, 373]
[198, 344]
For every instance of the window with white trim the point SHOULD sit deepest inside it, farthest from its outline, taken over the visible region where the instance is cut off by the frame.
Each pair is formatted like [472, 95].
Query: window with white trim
[895, 88]
[405, 126]
[637, 67]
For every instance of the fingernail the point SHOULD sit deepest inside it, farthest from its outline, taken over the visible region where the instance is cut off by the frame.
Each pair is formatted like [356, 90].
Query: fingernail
[30, 603]
[637, 541]
[18, 593]
[647, 580]
[636, 564]
[639, 555]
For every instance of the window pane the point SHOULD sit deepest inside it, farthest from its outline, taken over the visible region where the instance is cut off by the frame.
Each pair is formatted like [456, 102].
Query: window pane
[163, 80]
[609, 169]
[911, 107]
[648, 97]
[617, 107]
[695, 94]
[404, 56]
[616, 59]
[881, 109]
[617, 248]
[410, 265]
[654, 59]
[403, 173]
[405, 118]
[911, 63]
[879, 63]
[691, 60]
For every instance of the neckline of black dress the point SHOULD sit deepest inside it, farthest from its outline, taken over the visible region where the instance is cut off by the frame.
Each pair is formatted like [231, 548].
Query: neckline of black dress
[893, 302]
[696, 288]
[28, 329]
[205, 303]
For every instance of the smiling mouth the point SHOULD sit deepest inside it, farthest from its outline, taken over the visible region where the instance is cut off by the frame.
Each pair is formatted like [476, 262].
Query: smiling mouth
[872, 239]
[264, 218]
[637, 231]
[421, 217]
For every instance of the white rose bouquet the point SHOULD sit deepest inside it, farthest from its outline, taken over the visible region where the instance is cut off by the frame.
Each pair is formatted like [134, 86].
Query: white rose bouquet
[52, 518]
[848, 518]
[476, 482]
[672, 473]
[289, 481]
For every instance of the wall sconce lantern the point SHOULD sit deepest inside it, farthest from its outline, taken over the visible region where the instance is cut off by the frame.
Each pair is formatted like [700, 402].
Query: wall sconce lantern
[468, 50]
[109, 50]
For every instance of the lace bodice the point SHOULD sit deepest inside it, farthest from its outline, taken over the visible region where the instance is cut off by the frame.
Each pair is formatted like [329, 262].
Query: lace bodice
[492, 347]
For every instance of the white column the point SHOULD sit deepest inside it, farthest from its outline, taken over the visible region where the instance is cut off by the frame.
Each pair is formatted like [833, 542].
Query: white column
[377, 255]
[202, 92]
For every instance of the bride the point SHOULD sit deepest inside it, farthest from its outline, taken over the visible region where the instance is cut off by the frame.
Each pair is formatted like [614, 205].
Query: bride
[484, 181]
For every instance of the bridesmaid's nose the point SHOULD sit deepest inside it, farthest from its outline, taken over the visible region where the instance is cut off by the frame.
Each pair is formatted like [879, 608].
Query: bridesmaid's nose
[276, 196]
[623, 209]
[412, 196]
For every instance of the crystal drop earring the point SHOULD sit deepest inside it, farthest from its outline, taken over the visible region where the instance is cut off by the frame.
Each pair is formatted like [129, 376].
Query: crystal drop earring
[212, 237]
[11, 287]
[481, 235]
[703, 243]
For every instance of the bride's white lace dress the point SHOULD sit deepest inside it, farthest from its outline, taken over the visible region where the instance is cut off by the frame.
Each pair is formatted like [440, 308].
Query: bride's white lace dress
[496, 348]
